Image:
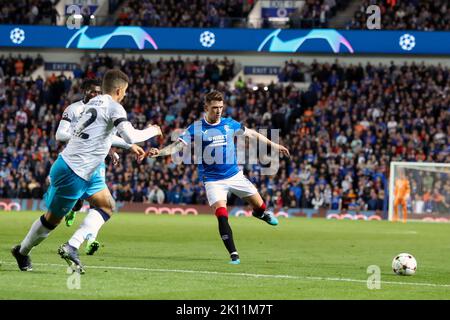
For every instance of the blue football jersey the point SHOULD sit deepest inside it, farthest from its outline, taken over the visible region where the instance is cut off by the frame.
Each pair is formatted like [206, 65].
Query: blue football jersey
[214, 147]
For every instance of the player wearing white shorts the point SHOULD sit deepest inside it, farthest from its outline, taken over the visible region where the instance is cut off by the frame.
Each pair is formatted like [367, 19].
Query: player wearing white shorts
[218, 169]
[74, 174]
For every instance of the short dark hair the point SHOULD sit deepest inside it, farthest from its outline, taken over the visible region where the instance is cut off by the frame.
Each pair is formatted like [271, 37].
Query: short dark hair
[213, 96]
[87, 83]
[113, 79]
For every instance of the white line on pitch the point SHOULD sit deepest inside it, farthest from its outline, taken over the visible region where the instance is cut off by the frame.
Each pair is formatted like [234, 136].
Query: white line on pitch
[240, 274]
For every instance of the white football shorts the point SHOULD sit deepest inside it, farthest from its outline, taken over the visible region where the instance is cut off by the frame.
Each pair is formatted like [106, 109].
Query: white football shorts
[237, 184]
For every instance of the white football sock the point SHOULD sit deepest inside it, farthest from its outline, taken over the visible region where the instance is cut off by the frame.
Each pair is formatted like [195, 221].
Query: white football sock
[88, 229]
[38, 232]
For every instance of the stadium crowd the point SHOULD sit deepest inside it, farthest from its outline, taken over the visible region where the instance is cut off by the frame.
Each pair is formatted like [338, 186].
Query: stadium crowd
[175, 13]
[219, 13]
[315, 13]
[342, 132]
[28, 12]
[420, 15]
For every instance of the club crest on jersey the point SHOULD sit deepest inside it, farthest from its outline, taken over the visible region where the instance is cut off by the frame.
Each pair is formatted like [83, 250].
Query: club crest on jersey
[65, 116]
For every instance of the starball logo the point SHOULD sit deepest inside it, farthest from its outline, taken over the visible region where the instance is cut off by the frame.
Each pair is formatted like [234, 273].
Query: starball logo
[86, 41]
[277, 43]
[139, 36]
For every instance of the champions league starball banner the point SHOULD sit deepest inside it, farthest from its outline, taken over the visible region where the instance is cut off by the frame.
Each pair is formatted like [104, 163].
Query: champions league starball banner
[328, 41]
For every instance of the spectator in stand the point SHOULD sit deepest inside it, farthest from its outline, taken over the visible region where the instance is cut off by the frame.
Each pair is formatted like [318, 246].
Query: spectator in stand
[336, 201]
[35, 189]
[175, 195]
[156, 195]
[290, 200]
[306, 201]
[139, 194]
[317, 200]
[418, 204]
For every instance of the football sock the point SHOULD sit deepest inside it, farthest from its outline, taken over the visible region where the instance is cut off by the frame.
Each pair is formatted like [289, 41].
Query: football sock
[77, 207]
[225, 230]
[234, 255]
[259, 212]
[39, 230]
[89, 227]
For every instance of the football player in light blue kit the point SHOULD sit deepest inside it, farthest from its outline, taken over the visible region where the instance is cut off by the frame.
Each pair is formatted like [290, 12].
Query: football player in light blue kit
[75, 173]
[218, 168]
[91, 88]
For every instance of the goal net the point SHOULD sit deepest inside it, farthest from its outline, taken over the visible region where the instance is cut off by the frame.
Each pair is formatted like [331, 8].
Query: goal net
[423, 187]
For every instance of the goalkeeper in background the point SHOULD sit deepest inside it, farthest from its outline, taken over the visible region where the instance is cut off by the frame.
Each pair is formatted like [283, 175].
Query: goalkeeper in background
[402, 191]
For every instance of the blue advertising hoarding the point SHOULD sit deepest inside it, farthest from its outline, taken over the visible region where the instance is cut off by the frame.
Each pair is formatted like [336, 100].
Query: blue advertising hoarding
[247, 40]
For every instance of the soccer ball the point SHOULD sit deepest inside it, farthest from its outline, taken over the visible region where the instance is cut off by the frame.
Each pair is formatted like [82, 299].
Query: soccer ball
[407, 42]
[404, 264]
[207, 39]
[17, 35]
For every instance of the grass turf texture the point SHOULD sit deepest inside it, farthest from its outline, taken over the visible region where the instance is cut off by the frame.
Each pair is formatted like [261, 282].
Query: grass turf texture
[182, 257]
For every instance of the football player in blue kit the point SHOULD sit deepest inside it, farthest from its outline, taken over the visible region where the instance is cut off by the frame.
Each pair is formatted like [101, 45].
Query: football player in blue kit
[218, 167]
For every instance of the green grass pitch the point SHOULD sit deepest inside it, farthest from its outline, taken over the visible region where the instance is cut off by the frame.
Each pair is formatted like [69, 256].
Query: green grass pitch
[182, 257]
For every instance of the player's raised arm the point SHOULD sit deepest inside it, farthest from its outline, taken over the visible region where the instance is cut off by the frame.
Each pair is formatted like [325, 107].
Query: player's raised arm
[185, 139]
[132, 146]
[131, 135]
[118, 142]
[256, 135]
[167, 151]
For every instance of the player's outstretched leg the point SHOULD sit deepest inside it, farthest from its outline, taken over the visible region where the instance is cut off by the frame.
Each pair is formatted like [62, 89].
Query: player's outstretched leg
[264, 215]
[227, 234]
[88, 230]
[259, 208]
[70, 217]
[39, 230]
[70, 254]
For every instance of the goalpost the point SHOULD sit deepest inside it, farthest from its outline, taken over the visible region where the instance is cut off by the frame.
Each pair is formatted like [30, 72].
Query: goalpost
[429, 196]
